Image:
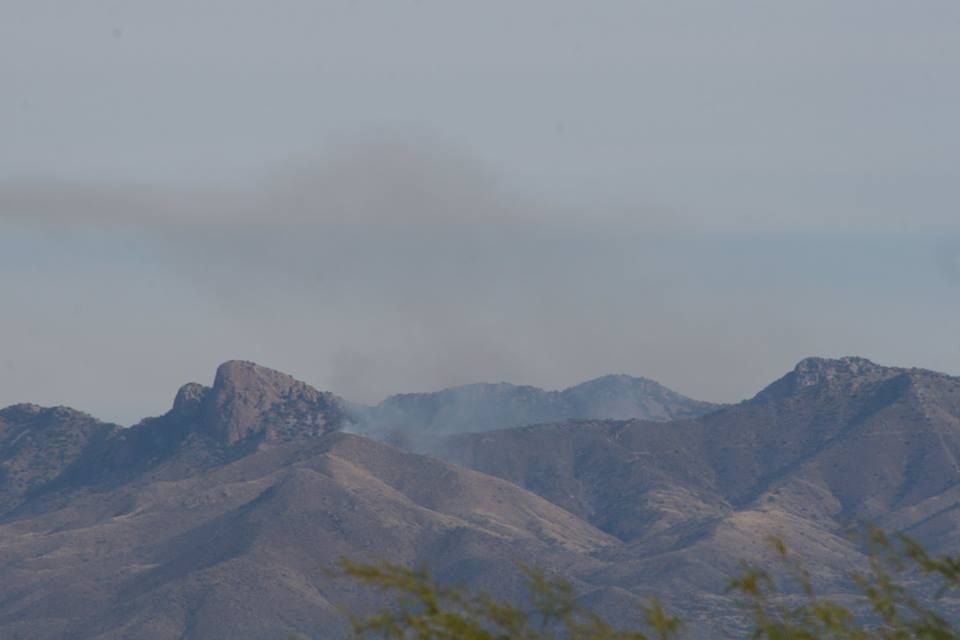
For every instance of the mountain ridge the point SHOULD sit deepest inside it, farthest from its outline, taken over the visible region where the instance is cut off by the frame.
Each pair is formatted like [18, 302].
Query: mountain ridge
[745, 449]
[218, 518]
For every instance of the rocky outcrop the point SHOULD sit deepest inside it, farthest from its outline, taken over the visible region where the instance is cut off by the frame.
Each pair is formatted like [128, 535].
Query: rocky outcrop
[828, 376]
[247, 400]
[189, 400]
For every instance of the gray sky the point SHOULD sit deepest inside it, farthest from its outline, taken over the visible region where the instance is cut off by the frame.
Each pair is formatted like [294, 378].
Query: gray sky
[396, 196]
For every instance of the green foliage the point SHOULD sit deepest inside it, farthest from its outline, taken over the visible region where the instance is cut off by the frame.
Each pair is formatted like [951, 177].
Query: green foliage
[428, 611]
[781, 603]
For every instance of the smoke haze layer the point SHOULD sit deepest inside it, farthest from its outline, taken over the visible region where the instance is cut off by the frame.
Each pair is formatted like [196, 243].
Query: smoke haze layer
[381, 199]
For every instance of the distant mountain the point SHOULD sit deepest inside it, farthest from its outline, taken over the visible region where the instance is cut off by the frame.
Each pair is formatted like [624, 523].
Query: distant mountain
[486, 407]
[219, 518]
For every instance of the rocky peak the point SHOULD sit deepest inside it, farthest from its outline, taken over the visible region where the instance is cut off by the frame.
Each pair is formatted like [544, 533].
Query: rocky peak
[814, 371]
[247, 399]
[828, 375]
[190, 399]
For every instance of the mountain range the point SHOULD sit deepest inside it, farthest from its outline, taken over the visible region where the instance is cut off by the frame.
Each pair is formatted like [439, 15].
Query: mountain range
[220, 518]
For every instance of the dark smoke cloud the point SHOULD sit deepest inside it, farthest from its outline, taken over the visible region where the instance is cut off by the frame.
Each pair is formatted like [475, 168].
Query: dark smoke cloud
[390, 266]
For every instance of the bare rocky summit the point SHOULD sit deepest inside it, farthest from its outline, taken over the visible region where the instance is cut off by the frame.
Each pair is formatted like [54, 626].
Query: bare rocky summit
[247, 400]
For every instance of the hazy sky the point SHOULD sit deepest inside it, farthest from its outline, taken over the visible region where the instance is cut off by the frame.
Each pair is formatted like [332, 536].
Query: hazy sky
[396, 196]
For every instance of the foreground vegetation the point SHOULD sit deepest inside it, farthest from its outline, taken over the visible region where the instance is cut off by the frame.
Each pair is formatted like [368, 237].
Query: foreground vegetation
[887, 609]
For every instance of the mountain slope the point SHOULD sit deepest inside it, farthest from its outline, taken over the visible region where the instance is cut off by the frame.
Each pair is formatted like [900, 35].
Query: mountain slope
[832, 444]
[38, 445]
[241, 550]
